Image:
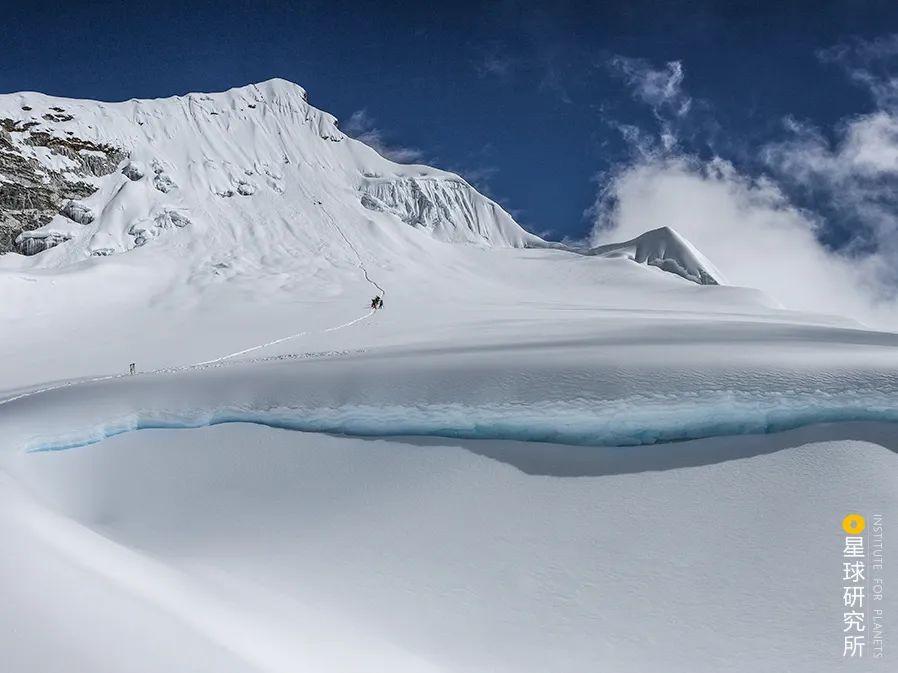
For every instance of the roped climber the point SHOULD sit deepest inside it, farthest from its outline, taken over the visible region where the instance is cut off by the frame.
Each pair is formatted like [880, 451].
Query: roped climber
[377, 302]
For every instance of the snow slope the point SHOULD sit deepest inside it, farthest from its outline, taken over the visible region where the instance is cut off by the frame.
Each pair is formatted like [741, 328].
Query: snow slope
[365, 501]
[241, 548]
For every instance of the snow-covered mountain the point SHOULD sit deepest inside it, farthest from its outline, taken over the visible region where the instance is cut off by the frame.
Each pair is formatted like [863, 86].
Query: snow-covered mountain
[257, 169]
[255, 172]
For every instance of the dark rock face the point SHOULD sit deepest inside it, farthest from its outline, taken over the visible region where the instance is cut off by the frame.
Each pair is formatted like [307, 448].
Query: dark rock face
[58, 117]
[31, 194]
[95, 158]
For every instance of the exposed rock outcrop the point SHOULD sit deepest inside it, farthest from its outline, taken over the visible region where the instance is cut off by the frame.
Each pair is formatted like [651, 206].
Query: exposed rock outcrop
[41, 176]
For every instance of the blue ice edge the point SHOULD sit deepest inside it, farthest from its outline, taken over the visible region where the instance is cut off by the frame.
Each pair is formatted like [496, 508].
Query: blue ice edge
[578, 423]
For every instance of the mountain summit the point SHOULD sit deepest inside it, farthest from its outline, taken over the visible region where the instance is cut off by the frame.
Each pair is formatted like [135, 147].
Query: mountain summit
[256, 168]
[254, 177]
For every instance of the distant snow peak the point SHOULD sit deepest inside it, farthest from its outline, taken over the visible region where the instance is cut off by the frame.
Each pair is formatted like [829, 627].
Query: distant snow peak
[668, 250]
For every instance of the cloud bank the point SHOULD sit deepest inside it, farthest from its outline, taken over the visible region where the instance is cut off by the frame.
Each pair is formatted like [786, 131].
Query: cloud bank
[748, 229]
[747, 224]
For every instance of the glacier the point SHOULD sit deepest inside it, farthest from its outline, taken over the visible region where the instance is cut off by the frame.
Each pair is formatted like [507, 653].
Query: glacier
[520, 464]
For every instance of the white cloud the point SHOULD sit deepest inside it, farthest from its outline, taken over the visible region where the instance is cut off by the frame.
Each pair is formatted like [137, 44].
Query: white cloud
[361, 126]
[662, 89]
[870, 64]
[640, 142]
[747, 225]
[749, 229]
[856, 175]
[867, 148]
[870, 146]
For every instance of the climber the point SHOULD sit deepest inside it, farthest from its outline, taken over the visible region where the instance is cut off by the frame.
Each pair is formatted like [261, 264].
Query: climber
[376, 302]
[132, 369]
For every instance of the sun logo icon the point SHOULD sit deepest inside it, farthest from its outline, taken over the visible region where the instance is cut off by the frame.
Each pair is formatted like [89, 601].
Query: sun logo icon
[854, 524]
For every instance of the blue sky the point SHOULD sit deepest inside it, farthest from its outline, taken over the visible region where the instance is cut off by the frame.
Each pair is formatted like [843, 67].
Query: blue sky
[543, 106]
